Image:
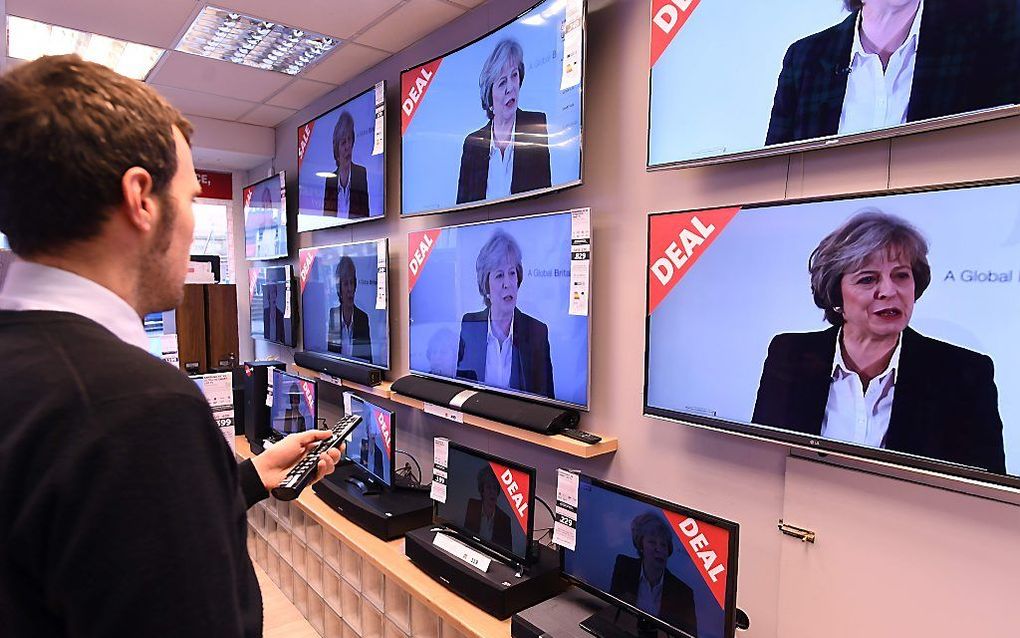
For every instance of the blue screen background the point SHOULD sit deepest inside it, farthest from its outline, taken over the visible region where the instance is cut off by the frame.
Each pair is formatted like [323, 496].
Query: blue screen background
[451, 109]
[447, 288]
[319, 296]
[709, 337]
[319, 158]
[603, 533]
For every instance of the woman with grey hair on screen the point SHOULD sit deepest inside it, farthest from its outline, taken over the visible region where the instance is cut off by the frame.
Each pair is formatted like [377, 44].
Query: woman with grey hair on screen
[500, 345]
[510, 154]
[870, 379]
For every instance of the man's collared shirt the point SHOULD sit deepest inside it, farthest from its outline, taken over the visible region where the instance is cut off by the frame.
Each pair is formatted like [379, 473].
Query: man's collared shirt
[32, 286]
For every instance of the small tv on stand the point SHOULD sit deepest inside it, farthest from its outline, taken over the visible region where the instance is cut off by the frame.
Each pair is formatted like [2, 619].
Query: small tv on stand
[294, 408]
[371, 447]
[687, 558]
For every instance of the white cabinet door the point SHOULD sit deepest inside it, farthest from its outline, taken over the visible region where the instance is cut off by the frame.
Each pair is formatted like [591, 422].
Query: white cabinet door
[895, 558]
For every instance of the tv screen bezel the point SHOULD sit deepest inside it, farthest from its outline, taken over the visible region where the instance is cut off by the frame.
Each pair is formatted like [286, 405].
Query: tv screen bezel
[295, 319]
[580, 132]
[282, 176]
[731, 527]
[333, 355]
[358, 467]
[529, 553]
[816, 143]
[918, 465]
[343, 223]
[315, 403]
[586, 407]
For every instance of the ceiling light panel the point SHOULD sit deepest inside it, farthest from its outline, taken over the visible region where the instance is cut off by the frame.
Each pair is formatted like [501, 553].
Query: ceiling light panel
[29, 39]
[242, 39]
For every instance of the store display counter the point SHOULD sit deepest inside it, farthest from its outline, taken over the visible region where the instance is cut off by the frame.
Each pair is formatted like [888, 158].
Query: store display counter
[347, 582]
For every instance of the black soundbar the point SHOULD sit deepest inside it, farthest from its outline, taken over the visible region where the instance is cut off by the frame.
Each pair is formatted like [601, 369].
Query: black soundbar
[343, 369]
[517, 412]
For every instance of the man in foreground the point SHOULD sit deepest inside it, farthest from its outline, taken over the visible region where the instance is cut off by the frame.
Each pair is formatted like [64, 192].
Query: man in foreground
[122, 511]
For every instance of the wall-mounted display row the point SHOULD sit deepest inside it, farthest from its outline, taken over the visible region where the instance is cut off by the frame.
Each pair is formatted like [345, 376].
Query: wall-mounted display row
[877, 326]
[808, 73]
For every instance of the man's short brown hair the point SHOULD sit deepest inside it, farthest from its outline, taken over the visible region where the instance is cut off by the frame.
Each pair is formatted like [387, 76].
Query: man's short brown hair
[69, 130]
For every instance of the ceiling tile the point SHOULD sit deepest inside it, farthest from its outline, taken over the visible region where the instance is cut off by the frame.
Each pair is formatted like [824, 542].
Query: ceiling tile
[410, 23]
[155, 23]
[340, 18]
[266, 115]
[345, 62]
[204, 104]
[196, 73]
[300, 94]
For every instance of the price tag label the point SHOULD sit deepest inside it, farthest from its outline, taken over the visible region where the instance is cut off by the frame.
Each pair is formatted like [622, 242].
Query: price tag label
[379, 139]
[565, 519]
[444, 412]
[440, 459]
[328, 378]
[573, 44]
[382, 275]
[580, 261]
[269, 389]
[347, 403]
[458, 549]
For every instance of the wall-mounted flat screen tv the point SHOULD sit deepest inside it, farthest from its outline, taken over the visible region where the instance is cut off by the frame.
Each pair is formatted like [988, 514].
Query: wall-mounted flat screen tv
[503, 305]
[499, 118]
[342, 163]
[265, 218]
[273, 304]
[344, 302]
[878, 326]
[801, 74]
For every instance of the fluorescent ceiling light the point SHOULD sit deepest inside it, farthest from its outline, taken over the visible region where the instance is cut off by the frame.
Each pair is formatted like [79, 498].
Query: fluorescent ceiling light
[234, 37]
[28, 40]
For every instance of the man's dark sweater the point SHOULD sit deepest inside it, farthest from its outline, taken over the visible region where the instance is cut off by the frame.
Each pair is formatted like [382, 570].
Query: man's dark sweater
[122, 511]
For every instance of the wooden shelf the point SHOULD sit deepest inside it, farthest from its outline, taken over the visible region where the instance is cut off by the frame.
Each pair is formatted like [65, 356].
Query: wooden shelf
[389, 558]
[558, 442]
[608, 445]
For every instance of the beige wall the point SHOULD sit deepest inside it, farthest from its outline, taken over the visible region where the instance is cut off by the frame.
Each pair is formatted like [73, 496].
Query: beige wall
[740, 479]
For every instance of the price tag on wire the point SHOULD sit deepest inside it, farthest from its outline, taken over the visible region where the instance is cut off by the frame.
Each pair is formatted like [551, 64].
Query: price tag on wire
[440, 458]
[565, 515]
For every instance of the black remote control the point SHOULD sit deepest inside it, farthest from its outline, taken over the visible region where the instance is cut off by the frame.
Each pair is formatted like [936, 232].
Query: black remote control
[580, 435]
[302, 474]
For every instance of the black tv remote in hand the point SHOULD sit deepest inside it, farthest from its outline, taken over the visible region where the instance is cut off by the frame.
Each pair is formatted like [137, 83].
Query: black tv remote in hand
[302, 474]
[580, 435]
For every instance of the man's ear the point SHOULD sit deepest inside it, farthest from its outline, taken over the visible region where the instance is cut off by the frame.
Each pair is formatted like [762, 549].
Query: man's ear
[139, 203]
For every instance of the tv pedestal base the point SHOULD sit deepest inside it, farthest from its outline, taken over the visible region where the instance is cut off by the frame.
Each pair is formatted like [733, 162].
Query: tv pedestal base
[561, 617]
[388, 513]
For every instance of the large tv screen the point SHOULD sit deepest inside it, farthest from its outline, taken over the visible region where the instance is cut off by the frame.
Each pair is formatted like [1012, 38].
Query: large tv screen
[623, 537]
[800, 74]
[344, 302]
[342, 163]
[503, 306]
[879, 326]
[293, 406]
[498, 118]
[272, 302]
[265, 218]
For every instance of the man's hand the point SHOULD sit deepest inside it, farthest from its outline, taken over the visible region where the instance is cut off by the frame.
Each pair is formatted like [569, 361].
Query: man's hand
[273, 464]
